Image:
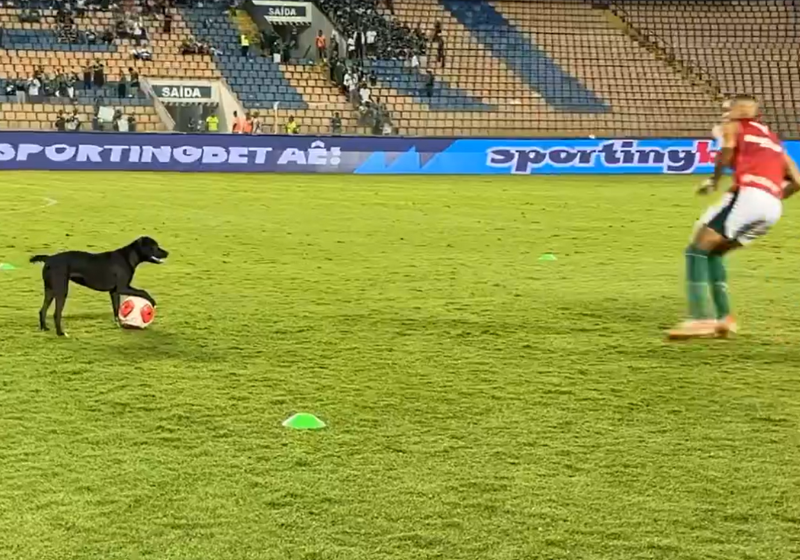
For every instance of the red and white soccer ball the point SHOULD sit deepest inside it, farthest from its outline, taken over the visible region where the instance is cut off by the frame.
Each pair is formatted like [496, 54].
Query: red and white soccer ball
[136, 313]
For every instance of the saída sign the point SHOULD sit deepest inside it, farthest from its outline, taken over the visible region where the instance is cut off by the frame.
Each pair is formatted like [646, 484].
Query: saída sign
[183, 93]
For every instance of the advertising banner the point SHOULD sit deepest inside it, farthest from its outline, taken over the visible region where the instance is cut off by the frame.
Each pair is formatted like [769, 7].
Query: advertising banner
[334, 154]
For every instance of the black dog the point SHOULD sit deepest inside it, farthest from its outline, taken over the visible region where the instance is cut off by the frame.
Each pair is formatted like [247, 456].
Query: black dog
[110, 272]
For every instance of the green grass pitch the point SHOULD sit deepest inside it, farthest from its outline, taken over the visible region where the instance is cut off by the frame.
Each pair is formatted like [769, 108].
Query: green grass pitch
[481, 404]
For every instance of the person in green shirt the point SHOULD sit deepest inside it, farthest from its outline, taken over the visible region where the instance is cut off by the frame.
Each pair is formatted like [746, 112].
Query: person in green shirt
[212, 123]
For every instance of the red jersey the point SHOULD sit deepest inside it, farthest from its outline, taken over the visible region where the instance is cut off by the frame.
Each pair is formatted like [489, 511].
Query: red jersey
[759, 161]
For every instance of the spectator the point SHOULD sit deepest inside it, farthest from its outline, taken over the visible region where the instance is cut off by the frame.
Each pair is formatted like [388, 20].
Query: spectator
[292, 127]
[353, 89]
[34, 87]
[256, 123]
[132, 124]
[142, 53]
[168, 23]
[334, 46]
[339, 73]
[138, 32]
[269, 41]
[238, 123]
[440, 51]
[61, 84]
[74, 121]
[91, 37]
[321, 46]
[351, 47]
[99, 75]
[87, 77]
[336, 124]
[61, 123]
[212, 123]
[373, 78]
[390, 6]
[134, 81]
[414, 63]
[372, 36]
[11, 89]
[247, 127]
[286, 51]
[359, 41]
[437, 31]
[244, 43]
[115, 124]
[30, 16]
[80, 8]
[363, 94]
[72, 79]
[122, 86]
[108, 36]
[429, 81]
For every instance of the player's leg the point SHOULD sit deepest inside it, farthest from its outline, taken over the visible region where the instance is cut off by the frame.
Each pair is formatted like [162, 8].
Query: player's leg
[752, 217]
[708, 236]
[718, 281]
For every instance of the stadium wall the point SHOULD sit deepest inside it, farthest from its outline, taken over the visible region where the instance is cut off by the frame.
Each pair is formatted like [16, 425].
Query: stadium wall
[338, 154]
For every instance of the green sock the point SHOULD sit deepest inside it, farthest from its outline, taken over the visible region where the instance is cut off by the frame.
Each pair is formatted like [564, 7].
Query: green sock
[697, 282]
[718, 278]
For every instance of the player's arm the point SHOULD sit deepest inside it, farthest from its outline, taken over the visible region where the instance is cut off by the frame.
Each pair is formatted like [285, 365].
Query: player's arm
[730, 130]
[793, 176]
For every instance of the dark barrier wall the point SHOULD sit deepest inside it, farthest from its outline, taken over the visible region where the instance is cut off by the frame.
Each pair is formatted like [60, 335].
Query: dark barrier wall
[473, 156]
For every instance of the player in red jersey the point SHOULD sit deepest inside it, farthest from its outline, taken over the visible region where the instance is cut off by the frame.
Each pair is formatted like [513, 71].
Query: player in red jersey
[747, 211]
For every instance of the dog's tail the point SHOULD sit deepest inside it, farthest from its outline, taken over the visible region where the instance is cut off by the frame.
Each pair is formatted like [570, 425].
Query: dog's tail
[39, 258]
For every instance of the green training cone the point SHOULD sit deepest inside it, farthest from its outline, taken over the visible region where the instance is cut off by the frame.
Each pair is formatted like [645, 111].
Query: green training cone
[548, 257]
[303, 421]
[6, 266]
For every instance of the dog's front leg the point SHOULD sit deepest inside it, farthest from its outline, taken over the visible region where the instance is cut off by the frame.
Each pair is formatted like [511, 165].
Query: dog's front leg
[115, 305]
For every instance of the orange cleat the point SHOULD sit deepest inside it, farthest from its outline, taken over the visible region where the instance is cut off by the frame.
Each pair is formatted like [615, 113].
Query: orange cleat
[727, 326]
[695, 328]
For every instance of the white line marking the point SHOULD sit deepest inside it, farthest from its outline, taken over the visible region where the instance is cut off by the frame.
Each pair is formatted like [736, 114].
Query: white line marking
[48, 202]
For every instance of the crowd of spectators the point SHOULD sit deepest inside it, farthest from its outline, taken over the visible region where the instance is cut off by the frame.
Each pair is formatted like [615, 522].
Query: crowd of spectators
[42, 85]
[64, 84]
[368, 33]
[129, 20]
[103, 118]
[357, 85]
[193, 46]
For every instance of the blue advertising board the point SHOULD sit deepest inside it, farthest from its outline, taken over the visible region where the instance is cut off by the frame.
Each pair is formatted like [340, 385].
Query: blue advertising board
[334, 154]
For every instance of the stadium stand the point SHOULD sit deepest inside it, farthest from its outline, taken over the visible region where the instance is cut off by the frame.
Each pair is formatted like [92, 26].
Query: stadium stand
[258, 82]
[31, 45]
[510, 67]
[553, 68]
[395, 38]
[736, 46]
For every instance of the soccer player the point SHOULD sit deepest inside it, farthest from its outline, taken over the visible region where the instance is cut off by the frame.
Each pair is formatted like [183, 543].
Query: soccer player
[747, 211]
[716, 132]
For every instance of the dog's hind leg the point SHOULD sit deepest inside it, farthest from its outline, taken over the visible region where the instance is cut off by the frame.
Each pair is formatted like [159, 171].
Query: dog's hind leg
[48, 299]
[60, 284]
[115, 305]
